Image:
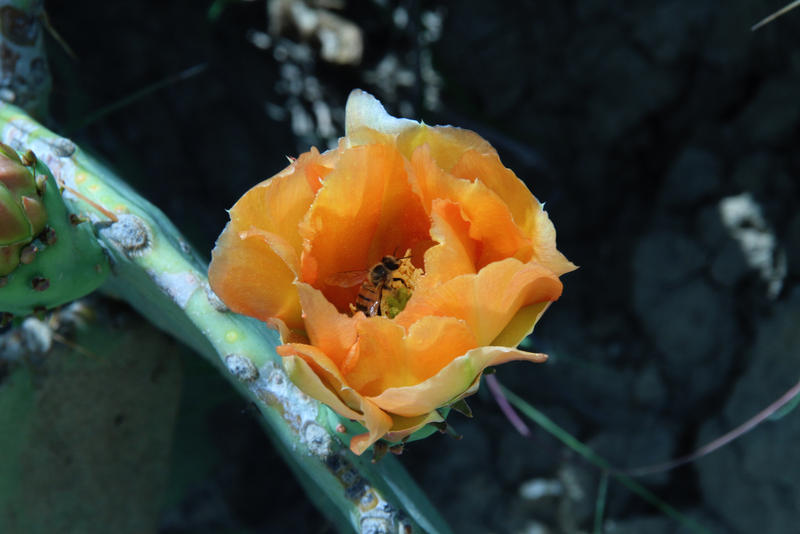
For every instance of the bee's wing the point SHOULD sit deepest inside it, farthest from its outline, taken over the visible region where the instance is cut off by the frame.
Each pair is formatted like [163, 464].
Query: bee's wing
[346, 278]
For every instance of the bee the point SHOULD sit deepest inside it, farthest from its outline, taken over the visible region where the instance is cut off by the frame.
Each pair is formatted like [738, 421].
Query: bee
[373, 281]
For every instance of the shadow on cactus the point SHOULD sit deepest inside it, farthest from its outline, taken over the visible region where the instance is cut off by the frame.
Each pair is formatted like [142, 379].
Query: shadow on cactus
[48, 256]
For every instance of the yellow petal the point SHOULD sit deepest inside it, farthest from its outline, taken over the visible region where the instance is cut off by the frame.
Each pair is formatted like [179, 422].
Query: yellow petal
[405, 426]
[521, 325]
[287, 334]
[326, 369]
[376, 421]
[446, 143]
[448, 383]
[304, 377]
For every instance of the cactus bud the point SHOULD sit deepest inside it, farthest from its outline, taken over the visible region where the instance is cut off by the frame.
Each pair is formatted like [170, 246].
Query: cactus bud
[45, 260]
[22, 212]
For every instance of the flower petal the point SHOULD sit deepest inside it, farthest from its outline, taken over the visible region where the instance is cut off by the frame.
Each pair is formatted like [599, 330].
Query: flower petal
[304, 377]
[448, 383]
[387, 357]
[257, 256]
[446, 143]
[365, 210]
[455, 253]
[381, 358]
[364, 110]
[277, 205]
[331, 332]
[521, 325]
[433, 342]
[405, 426]
[252, 279]
[486, 301]
[376, 421]
[490, 220]
[326, 369]
[527, 212]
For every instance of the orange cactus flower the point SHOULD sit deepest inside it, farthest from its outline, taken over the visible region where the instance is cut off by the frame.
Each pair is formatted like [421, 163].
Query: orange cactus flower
[466, 264]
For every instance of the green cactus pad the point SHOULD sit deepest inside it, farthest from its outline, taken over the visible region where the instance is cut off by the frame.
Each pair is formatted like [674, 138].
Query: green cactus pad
[66, 261]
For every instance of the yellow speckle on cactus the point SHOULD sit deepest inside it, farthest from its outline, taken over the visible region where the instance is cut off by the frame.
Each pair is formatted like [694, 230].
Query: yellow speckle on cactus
[121, 208]
[231, 336]
[93, 188]
[80, 178]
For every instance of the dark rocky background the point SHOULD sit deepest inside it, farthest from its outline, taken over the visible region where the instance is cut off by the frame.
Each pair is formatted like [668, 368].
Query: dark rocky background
[661, 134]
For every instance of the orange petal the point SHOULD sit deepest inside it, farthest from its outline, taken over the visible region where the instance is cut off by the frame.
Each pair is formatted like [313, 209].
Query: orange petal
[381, 358]
[257, 256]
[331, 332]
[449, 383]
[488, 301]
[490, 220]
[277, 205]
[376, 421]
[252, 279]
[365, 210]
[387, 357]
[286, 334]
[433, 342]
[527, 212]
[456, 252]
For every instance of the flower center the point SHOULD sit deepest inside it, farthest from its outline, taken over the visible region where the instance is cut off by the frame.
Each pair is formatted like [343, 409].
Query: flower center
[388, 287]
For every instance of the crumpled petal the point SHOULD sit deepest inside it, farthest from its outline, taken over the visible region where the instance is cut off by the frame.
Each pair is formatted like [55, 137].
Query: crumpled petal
[387, 356]
[491, 223]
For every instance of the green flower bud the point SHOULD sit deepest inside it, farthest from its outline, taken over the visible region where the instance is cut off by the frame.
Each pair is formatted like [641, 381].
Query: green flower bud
[22, 212]
[48, 255]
